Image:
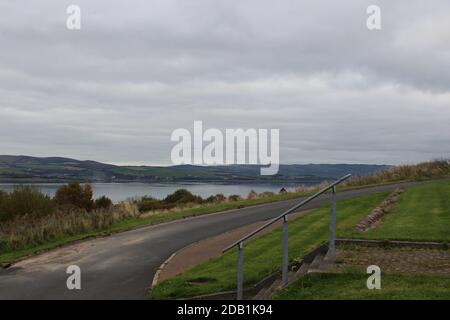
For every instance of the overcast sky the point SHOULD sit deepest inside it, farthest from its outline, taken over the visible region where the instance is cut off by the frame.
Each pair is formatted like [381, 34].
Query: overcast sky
[116, 89]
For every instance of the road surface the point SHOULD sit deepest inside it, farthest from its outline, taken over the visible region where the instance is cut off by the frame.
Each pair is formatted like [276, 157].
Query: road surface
[122, 266]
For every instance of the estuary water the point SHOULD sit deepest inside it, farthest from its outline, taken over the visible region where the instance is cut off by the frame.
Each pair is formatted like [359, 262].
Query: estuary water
[122, 191]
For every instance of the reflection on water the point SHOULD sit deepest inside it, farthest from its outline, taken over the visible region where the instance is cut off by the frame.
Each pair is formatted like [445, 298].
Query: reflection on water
[122, 191]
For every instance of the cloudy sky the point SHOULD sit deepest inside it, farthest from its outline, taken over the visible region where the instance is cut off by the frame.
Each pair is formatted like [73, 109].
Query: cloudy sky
[116, 89]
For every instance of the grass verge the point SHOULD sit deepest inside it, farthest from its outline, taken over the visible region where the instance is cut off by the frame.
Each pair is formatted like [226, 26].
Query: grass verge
[263, 255]
[352, 286]
[423, 213]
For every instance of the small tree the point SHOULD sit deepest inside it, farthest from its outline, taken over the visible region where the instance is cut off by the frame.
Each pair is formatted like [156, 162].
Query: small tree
[76, 195]
[182, 196]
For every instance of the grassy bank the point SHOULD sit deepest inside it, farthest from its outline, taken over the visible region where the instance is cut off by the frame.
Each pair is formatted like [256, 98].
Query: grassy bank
[421, 214]
[422, 171]
[263, 255]
[351, 286]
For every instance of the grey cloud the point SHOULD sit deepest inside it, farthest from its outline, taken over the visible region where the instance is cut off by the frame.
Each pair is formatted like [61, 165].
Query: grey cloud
[116, 89]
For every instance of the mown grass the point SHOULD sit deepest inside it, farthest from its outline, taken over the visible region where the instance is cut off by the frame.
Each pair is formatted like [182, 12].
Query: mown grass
[421, 214]
[263, 255]
[352, 286]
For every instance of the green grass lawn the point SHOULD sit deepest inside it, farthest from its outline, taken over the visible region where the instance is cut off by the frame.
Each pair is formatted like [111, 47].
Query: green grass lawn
[262, 256]
[351, 286]
[422, 214]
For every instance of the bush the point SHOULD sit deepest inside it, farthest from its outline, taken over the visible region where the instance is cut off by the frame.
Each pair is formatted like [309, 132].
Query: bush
[218, 198]
[76, 195]
[150, 204]
[234, 197]
[267, 194]
[25, 200]
[252, 195]
[182, 196]
[103, 203]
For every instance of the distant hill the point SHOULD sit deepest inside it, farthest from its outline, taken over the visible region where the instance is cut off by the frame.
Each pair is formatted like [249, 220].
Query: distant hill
[56, 169]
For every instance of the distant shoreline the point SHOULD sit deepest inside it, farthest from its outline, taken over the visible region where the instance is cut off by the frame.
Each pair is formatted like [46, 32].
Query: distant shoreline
[228, 182]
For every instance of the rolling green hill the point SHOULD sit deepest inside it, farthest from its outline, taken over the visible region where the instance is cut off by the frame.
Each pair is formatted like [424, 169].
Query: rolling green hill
[56, 169]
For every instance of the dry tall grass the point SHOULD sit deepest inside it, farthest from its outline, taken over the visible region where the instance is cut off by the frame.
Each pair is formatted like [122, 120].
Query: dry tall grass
[26, 231]
[425, 170]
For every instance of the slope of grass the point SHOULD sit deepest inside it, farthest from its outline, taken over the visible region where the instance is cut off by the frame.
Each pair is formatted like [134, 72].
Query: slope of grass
[353, 286]
[263, 255]
[422, 214]
[421, 171]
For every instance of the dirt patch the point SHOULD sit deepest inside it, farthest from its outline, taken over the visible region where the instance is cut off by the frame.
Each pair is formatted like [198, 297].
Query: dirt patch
[58, 256]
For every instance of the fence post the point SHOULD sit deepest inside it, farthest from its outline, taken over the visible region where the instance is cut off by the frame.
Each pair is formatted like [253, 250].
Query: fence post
[332, 248]
[240, 271]
[285, 251]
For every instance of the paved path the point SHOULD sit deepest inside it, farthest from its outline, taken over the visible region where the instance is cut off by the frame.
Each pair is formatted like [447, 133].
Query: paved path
[122, 266]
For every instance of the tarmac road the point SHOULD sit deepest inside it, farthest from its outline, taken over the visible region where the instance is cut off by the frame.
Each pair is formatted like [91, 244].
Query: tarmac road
[122, 266]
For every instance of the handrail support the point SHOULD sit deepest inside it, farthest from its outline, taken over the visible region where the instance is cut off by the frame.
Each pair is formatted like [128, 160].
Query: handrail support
[240, 271]
[331, 255]
[285, 264]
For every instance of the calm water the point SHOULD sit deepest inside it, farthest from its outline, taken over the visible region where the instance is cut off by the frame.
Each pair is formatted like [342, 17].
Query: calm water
[122, 191]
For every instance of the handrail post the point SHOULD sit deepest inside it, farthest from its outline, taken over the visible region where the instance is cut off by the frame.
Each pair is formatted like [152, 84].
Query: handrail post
[285, 251]
[240, 271]
[331, 255]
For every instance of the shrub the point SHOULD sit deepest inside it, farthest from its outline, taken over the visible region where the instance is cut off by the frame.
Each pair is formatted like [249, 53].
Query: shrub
[234, 197]
[267, 194]
[218, 198]
[25, 200]
[76, 195]
[182, 196]
[252, 195]
[103, 203]
[150, 204]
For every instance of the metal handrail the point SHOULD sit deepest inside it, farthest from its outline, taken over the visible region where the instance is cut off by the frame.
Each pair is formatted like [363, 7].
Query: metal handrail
[240, 243]
[251, 234]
